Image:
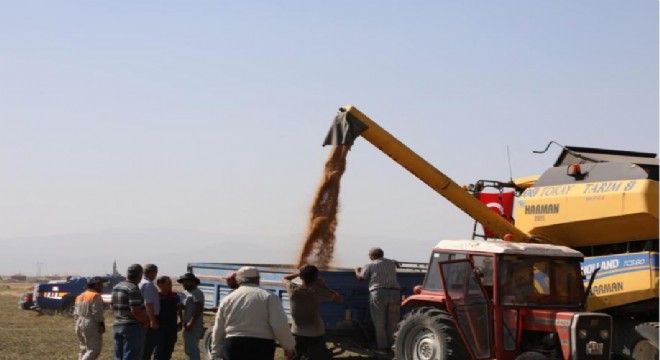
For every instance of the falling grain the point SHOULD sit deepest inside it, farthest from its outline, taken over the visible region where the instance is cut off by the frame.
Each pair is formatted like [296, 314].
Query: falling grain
[320, 239]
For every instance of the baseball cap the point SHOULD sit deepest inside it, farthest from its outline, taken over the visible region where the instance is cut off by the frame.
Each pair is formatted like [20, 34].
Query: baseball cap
[247, 272]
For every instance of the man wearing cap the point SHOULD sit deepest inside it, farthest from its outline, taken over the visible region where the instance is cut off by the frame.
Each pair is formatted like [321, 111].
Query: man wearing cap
[128, 329]
[193, 322]
[249, 320]
[152, 305]
[90, 325]
[384, 296]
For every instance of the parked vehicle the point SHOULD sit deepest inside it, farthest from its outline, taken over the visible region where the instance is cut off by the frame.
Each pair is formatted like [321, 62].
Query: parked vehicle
[60, 296]
[26, 300]
[348, 325]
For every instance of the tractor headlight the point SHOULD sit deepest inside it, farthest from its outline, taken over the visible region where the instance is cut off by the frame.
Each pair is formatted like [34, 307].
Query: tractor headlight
[604, 334]
[582, 333]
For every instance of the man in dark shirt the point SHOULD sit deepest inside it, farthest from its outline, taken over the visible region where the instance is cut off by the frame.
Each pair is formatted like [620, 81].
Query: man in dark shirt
[308, 327]
[169, 318]
[131, 320]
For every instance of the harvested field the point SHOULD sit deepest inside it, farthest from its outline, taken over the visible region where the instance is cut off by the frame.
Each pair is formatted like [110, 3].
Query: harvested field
[25, 334]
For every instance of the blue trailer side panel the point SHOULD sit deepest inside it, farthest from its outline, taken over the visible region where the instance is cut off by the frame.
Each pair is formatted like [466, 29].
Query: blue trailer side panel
[351, 315]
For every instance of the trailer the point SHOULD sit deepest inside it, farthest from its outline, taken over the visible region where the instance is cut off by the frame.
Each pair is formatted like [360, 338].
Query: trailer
[60, 296]
[348, 324]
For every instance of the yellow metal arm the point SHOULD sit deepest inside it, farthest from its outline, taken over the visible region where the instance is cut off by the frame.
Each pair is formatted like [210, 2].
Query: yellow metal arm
[433, 177]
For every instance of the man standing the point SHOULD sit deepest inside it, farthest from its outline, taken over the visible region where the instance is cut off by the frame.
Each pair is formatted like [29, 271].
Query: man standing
[308, 327]
[249, 320]
[193, 322]
[152, 305]
[384, 296]
[130, 319]
[169, 318]
[90, 325]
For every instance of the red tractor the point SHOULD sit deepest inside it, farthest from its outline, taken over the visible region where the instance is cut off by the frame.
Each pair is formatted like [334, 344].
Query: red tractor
[502, 300]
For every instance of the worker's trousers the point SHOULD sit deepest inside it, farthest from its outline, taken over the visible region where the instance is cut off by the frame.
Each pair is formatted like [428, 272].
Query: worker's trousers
[90, 338]
[385, 310]
[191, 343]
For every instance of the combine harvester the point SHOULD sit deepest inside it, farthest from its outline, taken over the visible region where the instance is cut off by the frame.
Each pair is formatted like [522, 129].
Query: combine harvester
[602, 203]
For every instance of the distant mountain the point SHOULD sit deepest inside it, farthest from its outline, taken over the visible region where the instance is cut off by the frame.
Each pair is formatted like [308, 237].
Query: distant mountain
[94, 252]
[171, 250]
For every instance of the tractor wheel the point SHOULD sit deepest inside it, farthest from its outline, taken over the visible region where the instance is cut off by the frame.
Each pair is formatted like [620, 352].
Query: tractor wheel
[642, 342]
[531, 355]
[206, 343]
[428, 334]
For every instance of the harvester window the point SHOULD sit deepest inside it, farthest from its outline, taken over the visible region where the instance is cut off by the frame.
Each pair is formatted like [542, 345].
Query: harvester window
[643, 245]
[620, 248]
[541, 281]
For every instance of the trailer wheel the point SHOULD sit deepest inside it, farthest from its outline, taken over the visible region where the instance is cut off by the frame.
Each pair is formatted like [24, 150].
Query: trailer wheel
[428, 334]
[206, 343]
[642, 342]
[50, 312]
[69, 309]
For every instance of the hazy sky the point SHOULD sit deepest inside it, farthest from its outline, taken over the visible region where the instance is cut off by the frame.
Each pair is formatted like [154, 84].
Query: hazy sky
[175, 132]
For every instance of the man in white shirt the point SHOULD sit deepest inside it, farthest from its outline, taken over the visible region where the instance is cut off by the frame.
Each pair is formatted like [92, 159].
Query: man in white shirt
[249, 320]
[152, 304]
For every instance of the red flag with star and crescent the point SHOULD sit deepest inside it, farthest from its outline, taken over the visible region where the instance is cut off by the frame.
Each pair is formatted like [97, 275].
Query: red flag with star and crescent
[501, 203]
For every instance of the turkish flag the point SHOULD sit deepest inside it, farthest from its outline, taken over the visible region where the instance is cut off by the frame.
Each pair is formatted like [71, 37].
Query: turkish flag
[501, 203]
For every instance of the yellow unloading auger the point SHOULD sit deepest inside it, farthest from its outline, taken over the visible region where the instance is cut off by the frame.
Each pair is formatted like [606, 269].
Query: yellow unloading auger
[351, 123]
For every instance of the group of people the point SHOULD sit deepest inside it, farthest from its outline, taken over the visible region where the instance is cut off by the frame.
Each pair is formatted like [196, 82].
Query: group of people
[250, 320]
[148, 316]
[248, 323]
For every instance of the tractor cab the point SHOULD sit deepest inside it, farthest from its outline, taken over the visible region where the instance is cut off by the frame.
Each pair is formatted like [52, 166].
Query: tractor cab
[504, 300]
